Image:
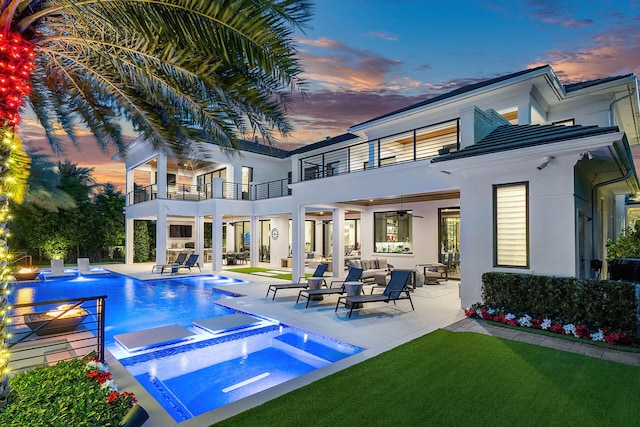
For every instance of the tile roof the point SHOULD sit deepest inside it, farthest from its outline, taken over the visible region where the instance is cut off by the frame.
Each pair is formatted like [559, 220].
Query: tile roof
[512, 137]
[582, 85]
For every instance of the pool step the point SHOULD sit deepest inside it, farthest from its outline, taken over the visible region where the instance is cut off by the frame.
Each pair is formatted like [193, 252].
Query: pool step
[216, 325]
[154, 337]
[312, 347]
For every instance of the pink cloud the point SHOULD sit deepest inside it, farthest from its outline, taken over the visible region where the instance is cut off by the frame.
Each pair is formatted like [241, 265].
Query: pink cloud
[614, 52]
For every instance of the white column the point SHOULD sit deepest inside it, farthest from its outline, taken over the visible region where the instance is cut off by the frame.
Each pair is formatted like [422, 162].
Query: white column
[231, 237]
[297, 242]
[254, 248]
[129, 187]
[162, 175]
[216, 257]
[199, 240]
[161, 234]
[338, 242]
[128, 240]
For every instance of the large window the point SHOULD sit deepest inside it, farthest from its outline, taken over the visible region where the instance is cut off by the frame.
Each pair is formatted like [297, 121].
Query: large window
[392, 232]
[511, 225]
[205, 181]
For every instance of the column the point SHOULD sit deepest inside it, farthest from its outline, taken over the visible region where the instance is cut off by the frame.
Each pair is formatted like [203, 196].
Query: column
[254, 248]
[216, 243]
[199, 240]
[161, 234]
[297, 242]
[161, 182]
[338, 242]
[128, 240]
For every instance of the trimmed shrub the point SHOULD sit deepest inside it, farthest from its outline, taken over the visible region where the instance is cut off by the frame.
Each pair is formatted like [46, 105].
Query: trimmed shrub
[595, 303]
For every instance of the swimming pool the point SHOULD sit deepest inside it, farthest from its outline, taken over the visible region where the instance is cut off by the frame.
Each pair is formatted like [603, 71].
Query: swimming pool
[134, 305]
[192, 379]
[219, 366]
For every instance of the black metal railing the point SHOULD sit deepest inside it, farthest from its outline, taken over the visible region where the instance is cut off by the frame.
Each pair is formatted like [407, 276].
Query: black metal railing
[271, 189]
[229, 190]
[409, 146]
[50, 331]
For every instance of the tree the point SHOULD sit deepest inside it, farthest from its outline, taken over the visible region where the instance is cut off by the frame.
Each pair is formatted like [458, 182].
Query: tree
[178, 70]
[140, 241]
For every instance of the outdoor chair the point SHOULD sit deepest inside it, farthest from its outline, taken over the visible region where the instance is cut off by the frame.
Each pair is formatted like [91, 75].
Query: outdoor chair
[84, 268]
[57, 270]
[301, 283]
[353, 276]
[192, 261]
[180, 259]
[395, 290]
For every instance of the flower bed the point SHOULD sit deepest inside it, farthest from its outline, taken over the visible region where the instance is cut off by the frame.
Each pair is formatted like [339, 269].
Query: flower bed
[602, 334]
[77, 392]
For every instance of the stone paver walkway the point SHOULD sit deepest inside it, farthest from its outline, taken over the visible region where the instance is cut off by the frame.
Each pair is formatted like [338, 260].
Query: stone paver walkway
[479, 326]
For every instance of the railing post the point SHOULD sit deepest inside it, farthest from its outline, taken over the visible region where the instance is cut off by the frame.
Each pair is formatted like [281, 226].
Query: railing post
[415, 145]
[100, 308]
[378, 154]
[349, 159]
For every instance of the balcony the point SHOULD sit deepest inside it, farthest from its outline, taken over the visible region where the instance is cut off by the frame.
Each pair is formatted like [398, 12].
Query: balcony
[224, 190]
[409, 146]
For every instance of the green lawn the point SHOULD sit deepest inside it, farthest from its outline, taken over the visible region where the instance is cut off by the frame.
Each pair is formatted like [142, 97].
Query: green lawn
[461, 379]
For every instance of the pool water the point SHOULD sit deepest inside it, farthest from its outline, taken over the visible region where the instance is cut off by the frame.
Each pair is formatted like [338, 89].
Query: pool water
[134, 305]
[195, 378]
[199, 375]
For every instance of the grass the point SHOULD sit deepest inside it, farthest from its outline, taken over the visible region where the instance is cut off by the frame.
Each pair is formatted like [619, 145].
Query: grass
[455, 379]
[253, 270]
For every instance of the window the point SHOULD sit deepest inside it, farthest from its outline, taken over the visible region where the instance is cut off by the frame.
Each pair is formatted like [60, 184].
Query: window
[247, 178]
[511, 225]
[392, 232]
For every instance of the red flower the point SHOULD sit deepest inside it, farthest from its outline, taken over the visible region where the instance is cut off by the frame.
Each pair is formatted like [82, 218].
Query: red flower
[469, 312]
[129, 397]
[499, 318]
[99, 376]
[582, 331]
[557, 328]
[511, 322]
[536, 321]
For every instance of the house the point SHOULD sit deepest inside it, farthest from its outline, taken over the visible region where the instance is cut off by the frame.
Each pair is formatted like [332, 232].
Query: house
[518, 173]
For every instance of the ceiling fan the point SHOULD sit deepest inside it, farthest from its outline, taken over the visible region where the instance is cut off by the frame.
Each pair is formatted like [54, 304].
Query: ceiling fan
[404, 213]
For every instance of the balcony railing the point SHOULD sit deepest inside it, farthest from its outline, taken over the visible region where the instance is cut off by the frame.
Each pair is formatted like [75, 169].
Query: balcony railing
[410, 146]
[47, 332]
[229, 190]
[271, 189]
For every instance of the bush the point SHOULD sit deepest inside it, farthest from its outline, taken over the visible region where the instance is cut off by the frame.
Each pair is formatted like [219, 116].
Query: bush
[595, 303]
[140, 242]
[66, 394]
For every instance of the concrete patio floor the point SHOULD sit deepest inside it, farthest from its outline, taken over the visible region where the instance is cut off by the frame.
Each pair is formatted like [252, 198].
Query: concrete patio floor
[377, 327]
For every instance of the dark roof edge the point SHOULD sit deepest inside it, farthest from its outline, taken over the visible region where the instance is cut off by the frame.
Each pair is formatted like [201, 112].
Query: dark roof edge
[455, 92]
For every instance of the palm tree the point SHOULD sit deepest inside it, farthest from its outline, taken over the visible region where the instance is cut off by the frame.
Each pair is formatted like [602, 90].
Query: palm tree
[178, 70]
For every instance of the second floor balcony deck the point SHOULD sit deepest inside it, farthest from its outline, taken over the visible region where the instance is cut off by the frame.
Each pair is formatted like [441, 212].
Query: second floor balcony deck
[408, 146]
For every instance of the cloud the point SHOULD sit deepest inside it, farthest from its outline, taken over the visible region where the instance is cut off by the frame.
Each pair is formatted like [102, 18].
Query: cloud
[383, 35]
[87, 154]
[612, 52]
[555, 13]
[344, 67]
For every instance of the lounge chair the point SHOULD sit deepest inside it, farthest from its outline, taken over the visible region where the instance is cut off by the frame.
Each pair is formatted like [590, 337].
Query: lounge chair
[395, 290]
[84, 268]
[180, 259]
[57, 269]
[320, 269]
[353, 276]
[192, 261]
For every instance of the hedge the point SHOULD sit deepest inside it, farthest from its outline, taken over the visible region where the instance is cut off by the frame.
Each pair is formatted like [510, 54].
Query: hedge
[595, 303]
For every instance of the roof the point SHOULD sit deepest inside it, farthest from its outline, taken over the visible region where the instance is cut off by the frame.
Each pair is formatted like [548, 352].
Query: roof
[588, 83]
[324, 143]
[512, 137]
[456, 92]
[268, 150]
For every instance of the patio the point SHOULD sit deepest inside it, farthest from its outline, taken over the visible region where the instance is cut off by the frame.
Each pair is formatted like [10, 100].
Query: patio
[377, 327]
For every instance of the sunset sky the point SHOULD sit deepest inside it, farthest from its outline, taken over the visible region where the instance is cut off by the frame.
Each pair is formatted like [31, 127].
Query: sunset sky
[367, 58]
